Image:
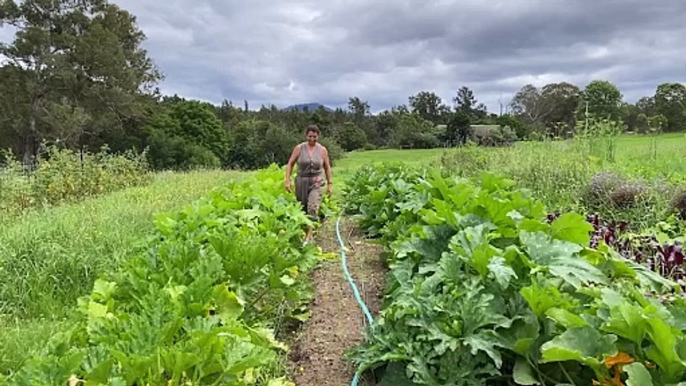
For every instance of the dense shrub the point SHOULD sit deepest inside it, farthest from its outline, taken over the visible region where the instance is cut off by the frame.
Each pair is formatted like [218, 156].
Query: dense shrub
[336, 152]
[63, 176]
[171, 152]
[521, 129]
[185, 135]
[415, 132]
[611, 190]
[619, 198]
[351, 137]
[628, 195]
[598, 191]
[491, 136]
[679, 204]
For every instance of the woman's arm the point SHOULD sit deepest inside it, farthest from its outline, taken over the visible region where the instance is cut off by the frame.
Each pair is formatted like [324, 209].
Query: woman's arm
[327, 167]
[289, 168]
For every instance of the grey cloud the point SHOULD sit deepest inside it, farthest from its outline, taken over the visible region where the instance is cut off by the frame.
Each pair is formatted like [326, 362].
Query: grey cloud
[295, 51]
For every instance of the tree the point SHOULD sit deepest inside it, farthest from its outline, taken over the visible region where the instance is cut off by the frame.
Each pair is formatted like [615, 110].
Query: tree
[415, 132]
[604, 100]
[14, 108]
[630, 113]
[400, 109]
[386, 127]
[351, 137]
[642, 123]
[459, 128]
[560, 100]
[646, 105]
[670, 101]
[198, 124]
[529, 103]
[658, 122]
[228, 113]
[358, 108]
[274, 145]
[187, 129]
[361, 117]
[467, 103]
[78, 69]
[429, 106]
[521, 130]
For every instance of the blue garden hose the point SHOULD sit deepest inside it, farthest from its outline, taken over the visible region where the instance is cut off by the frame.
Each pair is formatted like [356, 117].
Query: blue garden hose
[368, 314]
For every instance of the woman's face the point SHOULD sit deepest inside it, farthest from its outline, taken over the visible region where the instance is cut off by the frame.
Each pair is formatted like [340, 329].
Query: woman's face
[312, 137]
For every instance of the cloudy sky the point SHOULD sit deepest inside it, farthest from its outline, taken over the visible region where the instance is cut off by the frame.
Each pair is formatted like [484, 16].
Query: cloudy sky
[298, 51]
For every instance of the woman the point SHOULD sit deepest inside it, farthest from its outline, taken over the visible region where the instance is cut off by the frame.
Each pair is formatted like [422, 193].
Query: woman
[312, 158]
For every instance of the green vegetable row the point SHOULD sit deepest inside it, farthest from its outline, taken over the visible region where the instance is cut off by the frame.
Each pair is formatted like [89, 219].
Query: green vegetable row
[201, 307]
[483, 290]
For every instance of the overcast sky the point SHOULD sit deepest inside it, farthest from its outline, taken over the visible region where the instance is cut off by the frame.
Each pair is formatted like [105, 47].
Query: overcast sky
[298, 51]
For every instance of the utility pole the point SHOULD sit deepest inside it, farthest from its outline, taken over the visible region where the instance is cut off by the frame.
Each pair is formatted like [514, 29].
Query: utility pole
[500, 102]
[586, 116]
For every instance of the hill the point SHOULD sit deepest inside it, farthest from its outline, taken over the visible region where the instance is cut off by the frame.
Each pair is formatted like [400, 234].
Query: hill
[309, 106]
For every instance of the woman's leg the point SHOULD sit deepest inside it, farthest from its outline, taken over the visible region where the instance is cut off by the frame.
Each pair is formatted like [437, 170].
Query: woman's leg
[314, 200]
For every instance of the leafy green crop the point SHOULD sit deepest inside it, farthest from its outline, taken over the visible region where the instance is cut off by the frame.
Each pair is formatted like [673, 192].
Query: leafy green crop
[484, 291]
[201, 307]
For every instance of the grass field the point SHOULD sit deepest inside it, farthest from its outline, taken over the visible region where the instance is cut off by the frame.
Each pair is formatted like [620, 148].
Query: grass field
[663, 152]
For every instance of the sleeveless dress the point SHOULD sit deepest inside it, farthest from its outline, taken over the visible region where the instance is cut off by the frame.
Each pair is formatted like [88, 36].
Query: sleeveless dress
[309, 181]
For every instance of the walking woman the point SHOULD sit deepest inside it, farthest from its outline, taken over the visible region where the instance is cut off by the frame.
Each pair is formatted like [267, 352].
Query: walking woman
[312, 159]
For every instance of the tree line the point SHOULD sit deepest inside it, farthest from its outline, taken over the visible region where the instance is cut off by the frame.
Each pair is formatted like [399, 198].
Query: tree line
[75, 76]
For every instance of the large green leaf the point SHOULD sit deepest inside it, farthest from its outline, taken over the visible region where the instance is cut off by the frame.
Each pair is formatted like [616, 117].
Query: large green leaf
[522, 335]
[565, 318]
[561, 259]
[627, 320]
[502, 273]
[582, 344]
[229, 306]
[541, 299]
[523, 374]
[664, 349]
[638, 375]
[488, 342]
[572, 227]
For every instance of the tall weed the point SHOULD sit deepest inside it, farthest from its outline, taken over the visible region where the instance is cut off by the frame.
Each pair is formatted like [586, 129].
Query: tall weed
[62, 176]
[565, 174]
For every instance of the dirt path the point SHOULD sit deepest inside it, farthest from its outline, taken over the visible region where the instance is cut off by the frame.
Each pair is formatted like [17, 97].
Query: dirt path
[337, 321]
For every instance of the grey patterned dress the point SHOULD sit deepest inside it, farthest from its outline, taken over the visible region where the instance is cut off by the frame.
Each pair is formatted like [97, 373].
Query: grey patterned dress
[309, 181]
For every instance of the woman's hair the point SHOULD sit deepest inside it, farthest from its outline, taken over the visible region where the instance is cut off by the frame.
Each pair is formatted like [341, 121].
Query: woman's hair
[312, 129]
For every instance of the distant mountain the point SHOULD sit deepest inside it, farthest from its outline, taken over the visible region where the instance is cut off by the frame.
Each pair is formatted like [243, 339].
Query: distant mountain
[311, 107]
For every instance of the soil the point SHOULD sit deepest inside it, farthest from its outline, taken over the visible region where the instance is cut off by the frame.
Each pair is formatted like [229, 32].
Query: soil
[337, 322]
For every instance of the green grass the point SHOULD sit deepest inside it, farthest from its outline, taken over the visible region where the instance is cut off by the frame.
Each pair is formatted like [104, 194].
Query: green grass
[636, 150]
[49, 258]
[355, 160]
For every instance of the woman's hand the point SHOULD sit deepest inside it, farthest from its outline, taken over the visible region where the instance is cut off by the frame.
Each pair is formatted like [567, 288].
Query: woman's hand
[288, 186]
[329, 189]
